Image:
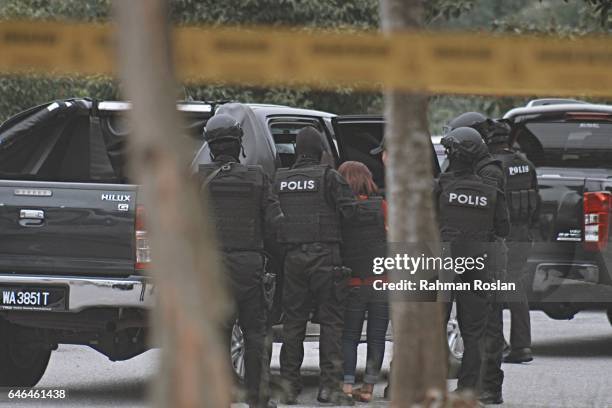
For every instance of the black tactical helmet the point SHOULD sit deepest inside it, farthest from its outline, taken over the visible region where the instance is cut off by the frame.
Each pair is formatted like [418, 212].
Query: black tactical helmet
[222, 127]
[473, 120]
[498, 133]
[463, 144]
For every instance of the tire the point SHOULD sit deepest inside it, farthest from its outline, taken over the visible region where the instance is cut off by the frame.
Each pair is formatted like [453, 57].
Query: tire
[455, 345]
[21, 364]
[559, 311]
[237, 353]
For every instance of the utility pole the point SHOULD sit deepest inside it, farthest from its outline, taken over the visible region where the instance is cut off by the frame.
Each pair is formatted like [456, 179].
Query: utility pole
[194, 369]
[419, 355]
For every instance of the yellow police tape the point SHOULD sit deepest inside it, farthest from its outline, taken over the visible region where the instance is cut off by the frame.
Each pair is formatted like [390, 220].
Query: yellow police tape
[467, 63]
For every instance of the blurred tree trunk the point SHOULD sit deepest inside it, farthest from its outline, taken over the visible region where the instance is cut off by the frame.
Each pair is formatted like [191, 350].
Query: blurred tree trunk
[194, 363]
[419, 354]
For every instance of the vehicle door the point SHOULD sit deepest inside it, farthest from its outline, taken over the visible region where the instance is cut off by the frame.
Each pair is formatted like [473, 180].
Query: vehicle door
[357, 135]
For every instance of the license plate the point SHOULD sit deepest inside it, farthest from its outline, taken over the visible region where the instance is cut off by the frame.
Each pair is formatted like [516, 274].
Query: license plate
[33, 298]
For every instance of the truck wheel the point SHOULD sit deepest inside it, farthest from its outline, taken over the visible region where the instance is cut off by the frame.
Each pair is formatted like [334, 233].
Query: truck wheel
[237, 352]
[559, 311]
[21, 364]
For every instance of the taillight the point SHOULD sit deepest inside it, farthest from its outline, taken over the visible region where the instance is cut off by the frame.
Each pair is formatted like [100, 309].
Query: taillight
[143, 251]
[591, 116]
[596, 217]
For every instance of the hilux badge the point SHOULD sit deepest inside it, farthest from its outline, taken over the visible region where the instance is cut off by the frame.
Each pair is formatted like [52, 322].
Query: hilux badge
[116, 197]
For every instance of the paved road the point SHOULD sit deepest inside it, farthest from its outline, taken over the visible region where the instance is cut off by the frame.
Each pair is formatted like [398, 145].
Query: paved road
[572, 369]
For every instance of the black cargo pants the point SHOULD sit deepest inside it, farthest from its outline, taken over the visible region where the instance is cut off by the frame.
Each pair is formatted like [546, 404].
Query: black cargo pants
[472, 315]
[481, 323]
[310, 281]
[520, 323]
[244, 271]
[492, 376]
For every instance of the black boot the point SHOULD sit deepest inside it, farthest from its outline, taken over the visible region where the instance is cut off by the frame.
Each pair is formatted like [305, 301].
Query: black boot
[387, 392]
[289, 398]
[518, 356]
[491, 398]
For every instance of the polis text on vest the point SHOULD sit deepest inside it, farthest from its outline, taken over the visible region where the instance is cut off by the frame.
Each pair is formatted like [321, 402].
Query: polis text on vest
[514, 170]
[301, 185]
[468, 199]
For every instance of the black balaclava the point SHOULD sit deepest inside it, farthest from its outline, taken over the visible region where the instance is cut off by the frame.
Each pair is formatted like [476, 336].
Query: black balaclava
[225, 148]
[483, 152]
[458, 165]
[308, 144]
[499, 137]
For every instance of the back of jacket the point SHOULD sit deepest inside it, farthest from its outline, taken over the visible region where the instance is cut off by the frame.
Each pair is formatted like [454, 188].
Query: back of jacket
[364, 237]
[467, 208]
[521, 192]
[235, 194]
[309, 216]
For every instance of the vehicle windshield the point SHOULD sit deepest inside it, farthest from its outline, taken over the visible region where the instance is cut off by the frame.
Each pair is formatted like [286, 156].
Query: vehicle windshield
[568, 144]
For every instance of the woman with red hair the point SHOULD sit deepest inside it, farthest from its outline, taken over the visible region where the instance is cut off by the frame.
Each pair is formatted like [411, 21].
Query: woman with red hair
[364, 238]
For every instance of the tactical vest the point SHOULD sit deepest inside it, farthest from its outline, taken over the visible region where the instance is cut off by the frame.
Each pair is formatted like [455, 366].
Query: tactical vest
[308, 215]
[364, 237]
[235, 194]
[467, 209]
[521, 193]
[489, 161]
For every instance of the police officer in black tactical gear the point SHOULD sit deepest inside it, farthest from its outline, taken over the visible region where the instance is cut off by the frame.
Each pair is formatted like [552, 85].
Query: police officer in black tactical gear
[314, 198]
[244, 208]
[472, 214]
[486, 166]
[491, 171]
[523, 203]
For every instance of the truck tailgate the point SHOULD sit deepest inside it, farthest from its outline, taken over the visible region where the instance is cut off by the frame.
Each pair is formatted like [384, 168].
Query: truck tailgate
[67, 228]
[561, 212]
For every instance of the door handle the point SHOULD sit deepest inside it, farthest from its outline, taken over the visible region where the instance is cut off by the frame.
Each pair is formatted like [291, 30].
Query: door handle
[31, 218]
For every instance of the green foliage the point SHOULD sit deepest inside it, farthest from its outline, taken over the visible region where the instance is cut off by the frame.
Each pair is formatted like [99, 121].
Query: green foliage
[568, 19]
[602, 8]
[341, 101]
[571, 17]
[19, 92]
[441, 11]
[315, 13]
[77, 10]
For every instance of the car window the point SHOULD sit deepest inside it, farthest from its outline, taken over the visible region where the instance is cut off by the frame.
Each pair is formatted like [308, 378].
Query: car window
[284, 131]
[441, 156]
[568, 144]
